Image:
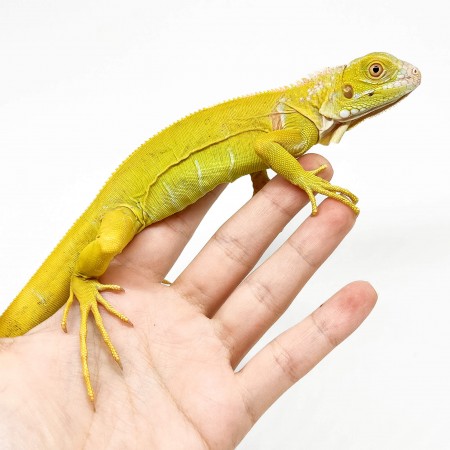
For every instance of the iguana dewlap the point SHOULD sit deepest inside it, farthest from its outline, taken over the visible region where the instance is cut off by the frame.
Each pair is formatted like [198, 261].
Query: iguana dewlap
[188, 159]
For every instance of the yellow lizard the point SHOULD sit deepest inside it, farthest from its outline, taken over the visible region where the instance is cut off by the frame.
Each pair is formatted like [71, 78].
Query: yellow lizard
[182, 163]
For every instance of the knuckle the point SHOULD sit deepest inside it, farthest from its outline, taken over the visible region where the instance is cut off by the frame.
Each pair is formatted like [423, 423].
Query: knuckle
[305, 251]
[285, 361]
[233, 247]
[323, 330]
[265, 296]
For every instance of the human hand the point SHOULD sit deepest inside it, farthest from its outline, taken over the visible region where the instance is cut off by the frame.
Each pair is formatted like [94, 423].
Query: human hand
[179, 387]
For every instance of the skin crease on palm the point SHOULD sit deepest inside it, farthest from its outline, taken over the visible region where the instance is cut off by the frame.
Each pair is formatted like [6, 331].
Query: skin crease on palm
[179, 387]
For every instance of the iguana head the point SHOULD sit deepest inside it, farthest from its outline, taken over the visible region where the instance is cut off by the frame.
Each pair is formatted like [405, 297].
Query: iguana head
[366, 86]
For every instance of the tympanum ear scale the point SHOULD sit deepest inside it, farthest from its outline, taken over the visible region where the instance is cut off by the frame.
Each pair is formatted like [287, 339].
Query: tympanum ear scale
[347, 89]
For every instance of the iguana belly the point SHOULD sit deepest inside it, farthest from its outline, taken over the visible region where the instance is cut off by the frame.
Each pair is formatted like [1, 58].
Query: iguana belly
[192, 178]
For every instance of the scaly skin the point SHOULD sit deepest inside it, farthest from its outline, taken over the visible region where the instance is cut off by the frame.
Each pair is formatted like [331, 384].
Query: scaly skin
[188, 159]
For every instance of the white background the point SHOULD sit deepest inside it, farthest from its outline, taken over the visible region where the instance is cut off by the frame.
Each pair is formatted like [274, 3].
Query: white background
[82, 84]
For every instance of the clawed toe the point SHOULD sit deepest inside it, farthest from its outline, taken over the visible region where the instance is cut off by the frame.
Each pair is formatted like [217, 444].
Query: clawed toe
[87, 292]
[312, 184]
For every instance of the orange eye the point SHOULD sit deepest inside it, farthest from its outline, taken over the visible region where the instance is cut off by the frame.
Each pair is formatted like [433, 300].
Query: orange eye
[376, 70]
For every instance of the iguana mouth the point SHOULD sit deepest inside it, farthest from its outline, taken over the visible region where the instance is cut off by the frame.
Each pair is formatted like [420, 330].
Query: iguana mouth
[359, 118]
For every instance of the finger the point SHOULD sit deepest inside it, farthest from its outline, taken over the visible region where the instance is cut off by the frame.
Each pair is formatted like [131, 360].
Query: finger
[266, 293]
[295, 352]
[152, 253]
[236, 247]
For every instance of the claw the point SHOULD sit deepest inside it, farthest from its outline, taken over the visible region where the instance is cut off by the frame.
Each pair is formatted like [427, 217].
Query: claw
[311, 183]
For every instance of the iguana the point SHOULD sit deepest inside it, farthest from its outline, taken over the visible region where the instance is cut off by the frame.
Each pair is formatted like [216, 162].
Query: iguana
[183, 162]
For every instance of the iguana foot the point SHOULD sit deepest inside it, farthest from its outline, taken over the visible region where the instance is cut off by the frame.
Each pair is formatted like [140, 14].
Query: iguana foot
[311, 183]
[87, 292]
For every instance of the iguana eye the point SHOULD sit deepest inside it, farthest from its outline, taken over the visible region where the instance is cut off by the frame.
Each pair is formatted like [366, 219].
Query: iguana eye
[376, 70]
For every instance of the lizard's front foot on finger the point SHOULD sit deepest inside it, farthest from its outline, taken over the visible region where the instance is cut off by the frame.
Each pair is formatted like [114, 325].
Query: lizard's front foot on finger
[311, 184]
[87, 292]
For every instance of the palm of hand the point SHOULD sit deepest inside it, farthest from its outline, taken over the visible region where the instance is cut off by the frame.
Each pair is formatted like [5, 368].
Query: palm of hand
[179, 387]
[189, 379]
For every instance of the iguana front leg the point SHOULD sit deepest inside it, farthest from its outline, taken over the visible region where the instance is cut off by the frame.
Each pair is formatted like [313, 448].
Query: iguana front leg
[116, 230]
[277, 148]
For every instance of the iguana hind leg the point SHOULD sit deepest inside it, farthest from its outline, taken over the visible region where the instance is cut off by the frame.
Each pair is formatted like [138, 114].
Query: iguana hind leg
[117, 228]
[259, 180]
